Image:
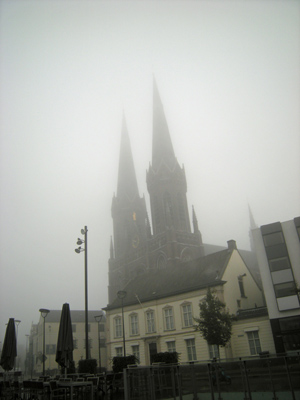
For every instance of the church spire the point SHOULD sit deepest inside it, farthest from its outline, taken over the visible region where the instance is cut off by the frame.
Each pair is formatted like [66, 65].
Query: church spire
[162, 148]
[195, 221]
[252, 226]
[127, 183]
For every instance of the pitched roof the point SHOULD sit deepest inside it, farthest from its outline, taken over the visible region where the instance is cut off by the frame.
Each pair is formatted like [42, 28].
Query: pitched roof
[159, 283]
[76, 316]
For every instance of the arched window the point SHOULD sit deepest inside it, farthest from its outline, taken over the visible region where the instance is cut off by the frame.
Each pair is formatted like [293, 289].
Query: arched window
[161, 262]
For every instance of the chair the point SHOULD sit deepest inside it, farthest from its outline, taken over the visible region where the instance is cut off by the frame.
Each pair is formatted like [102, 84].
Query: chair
[56, 392]
[95, 381]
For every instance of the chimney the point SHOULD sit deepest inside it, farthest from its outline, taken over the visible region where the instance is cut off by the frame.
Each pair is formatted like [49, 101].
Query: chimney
[231, 244]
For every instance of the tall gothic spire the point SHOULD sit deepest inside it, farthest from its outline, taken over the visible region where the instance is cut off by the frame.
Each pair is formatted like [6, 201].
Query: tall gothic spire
[252, 226]
[127, 183]
[162, 148]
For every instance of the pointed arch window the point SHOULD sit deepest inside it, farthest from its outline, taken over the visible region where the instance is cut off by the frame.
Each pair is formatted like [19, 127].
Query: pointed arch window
[161, 262]
[168, 207]
[181, 211]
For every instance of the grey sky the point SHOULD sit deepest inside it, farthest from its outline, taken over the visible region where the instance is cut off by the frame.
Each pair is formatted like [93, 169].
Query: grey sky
[228, 75]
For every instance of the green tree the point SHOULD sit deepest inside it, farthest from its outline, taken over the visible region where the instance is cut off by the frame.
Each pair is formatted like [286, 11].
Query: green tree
[215, 322]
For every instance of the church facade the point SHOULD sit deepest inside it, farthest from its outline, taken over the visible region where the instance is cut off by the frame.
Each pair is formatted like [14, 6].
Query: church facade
[135, 247]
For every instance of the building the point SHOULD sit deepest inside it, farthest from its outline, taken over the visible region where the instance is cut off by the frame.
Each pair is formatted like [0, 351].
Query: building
[165, 268]
[135, 248]
[277, 247]
[34, 359]
[160, 306]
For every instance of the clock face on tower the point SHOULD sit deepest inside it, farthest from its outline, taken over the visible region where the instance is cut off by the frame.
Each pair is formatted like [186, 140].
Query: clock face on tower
[135, 241]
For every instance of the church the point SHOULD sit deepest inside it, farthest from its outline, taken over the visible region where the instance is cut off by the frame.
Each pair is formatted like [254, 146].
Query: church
[139, 245]
[160, 269]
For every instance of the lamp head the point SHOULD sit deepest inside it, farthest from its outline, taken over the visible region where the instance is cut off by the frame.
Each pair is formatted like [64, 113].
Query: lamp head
[44, 312]
[122, 294]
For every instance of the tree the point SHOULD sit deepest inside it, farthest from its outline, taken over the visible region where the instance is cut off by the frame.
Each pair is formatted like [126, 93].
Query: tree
[215, 321]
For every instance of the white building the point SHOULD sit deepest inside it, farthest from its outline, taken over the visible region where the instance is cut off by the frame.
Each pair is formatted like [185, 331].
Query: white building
[277, 246]
[34, 358]
[159, 310]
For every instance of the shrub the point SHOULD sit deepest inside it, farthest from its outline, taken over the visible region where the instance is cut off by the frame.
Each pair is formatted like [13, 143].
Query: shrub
[119, 363]
[87, 366]
[166, 357]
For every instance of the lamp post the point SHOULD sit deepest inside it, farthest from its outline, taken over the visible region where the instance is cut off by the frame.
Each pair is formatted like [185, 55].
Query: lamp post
[44, 312]
[121, 295]
[79, 250]
[98, 318]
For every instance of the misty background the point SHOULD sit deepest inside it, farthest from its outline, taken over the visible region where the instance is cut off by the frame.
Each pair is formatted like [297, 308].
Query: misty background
[228, 76]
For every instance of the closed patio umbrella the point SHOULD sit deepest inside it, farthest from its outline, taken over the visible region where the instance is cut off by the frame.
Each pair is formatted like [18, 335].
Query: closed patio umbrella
[9, 349]
[64, 350]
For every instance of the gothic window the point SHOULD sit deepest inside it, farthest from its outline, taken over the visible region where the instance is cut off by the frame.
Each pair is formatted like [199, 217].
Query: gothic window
[161, 262]
[181, 211]
[186, 255]
[168, 209]
[156, 213]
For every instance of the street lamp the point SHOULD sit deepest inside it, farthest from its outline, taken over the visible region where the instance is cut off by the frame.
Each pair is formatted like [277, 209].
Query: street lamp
[78, 251]
[121, 295]
[98, 318]
[44, 312]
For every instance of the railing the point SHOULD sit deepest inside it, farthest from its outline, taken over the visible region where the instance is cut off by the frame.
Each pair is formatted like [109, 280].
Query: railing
[267, 378]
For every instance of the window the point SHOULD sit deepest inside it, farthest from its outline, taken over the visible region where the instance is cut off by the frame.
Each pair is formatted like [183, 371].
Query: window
[285, 289]
[241, 286]
[213, 351]
[187, 315]
[134, 324]
[171, 346]
[273, 239]
[119, 351]
[150, 321]
[73, 328]
[169, 319]
[191, 349]
[279, 264]
[50, 348]
[136, 351]
[254, 342]
[75, 343]
[118, 327]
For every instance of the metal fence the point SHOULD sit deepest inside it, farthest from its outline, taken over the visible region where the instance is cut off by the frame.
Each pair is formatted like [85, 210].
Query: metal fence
[267, 378]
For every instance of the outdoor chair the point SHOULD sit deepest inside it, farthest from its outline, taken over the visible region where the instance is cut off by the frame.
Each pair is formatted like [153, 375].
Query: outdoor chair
[94, 388]
[56, 392]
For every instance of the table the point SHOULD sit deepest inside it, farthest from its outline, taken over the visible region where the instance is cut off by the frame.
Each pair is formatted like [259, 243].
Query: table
[73, 384]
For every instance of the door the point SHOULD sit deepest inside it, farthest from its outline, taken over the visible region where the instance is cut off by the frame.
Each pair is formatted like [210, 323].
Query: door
[152, 350]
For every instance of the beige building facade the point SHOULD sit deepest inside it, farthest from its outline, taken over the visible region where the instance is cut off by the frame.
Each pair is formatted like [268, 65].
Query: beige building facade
[34, 359]
[159, 310]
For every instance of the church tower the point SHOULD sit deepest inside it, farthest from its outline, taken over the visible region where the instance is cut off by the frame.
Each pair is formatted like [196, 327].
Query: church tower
[133, 249]
[167, 188]
[130, 223]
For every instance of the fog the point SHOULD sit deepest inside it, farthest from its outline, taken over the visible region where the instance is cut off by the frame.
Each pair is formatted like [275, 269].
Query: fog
[228, 76]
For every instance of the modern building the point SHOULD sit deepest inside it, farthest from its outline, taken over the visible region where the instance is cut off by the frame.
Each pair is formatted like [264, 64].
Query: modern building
[277, 247]
[34, 359]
